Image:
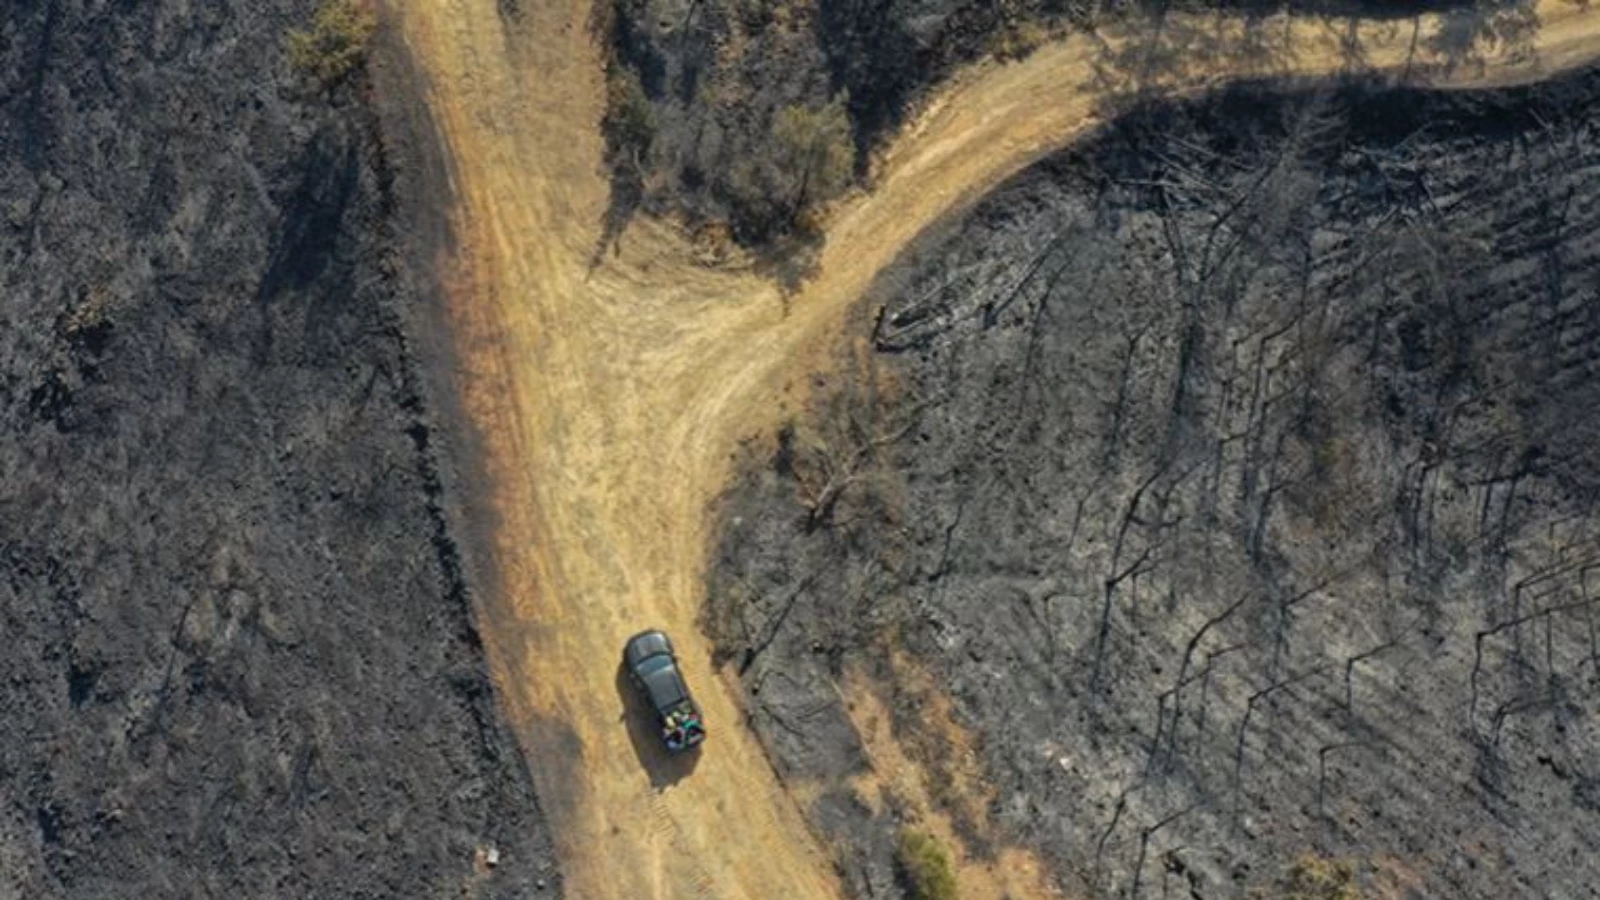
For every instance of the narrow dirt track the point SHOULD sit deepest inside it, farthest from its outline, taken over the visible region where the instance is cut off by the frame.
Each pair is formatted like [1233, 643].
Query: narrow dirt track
[611, 400]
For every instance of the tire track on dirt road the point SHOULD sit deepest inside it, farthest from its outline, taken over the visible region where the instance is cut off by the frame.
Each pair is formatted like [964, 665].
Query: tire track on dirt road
[610, 400]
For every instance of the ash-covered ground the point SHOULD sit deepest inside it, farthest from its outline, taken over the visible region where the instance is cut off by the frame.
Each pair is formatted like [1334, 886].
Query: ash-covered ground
[1236, 474]
[239, 654]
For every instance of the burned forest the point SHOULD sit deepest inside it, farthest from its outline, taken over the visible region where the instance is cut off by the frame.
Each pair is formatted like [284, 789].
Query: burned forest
[1033, 448]
[240, 657]
[1235, 472]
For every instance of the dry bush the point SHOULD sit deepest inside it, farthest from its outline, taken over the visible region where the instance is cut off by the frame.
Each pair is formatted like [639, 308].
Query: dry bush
[629, 123]
[836, 452]
[809, 157]
[815, 145]
[1313, 877]
[713, 243]
[1016, 41]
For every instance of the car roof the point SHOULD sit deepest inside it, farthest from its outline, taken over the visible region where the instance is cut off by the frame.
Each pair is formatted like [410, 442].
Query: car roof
[644, 645]
[663, 683]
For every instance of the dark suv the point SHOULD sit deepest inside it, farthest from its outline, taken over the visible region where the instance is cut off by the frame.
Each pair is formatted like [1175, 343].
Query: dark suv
[653, 668]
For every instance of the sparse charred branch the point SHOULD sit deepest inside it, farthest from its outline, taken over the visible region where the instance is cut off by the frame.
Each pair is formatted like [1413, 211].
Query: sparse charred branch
[1349, 671]
[1129, 516]
[1155, 738]
[1481, 636]
[1205, 685]
[1322, 769]
[1581, 566]
[1103, 633]
[845, 460]
[1506, 710]
[1116, 817]
[775, 624]
[1144, 845]
[1244, 727]
[949, 540]
[1117, 576]
[990, 311]
[1183, 670]
[1285, 612]
[1588, 616]
[1035, 328]
[1119, 405]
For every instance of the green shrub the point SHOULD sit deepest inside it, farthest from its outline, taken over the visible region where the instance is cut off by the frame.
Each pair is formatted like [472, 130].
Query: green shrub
[336, 43]
[927, 867]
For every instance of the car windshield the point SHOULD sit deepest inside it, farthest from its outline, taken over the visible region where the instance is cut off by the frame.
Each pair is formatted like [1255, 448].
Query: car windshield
[646, 645]
[661, 681]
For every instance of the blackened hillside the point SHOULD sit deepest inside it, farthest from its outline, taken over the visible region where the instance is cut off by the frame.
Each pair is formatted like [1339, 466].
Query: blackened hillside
[1238, 480]
[238, 653]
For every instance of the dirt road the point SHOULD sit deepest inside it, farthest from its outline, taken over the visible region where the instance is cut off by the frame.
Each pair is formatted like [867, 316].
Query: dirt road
[611, 400]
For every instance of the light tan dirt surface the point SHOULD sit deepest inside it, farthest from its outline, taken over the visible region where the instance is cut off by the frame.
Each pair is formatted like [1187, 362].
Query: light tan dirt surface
[612, 399]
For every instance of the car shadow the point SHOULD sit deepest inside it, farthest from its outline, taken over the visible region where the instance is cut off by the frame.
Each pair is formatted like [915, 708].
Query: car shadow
[665, 769]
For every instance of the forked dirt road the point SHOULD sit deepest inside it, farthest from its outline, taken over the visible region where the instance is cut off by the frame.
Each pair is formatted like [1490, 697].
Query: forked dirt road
[611, 401]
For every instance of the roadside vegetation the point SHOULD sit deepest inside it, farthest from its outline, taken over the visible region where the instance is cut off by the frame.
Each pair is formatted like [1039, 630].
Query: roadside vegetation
[813, 160]
[736, 90]
[925, 864]
[764, 112]
[335, 43]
